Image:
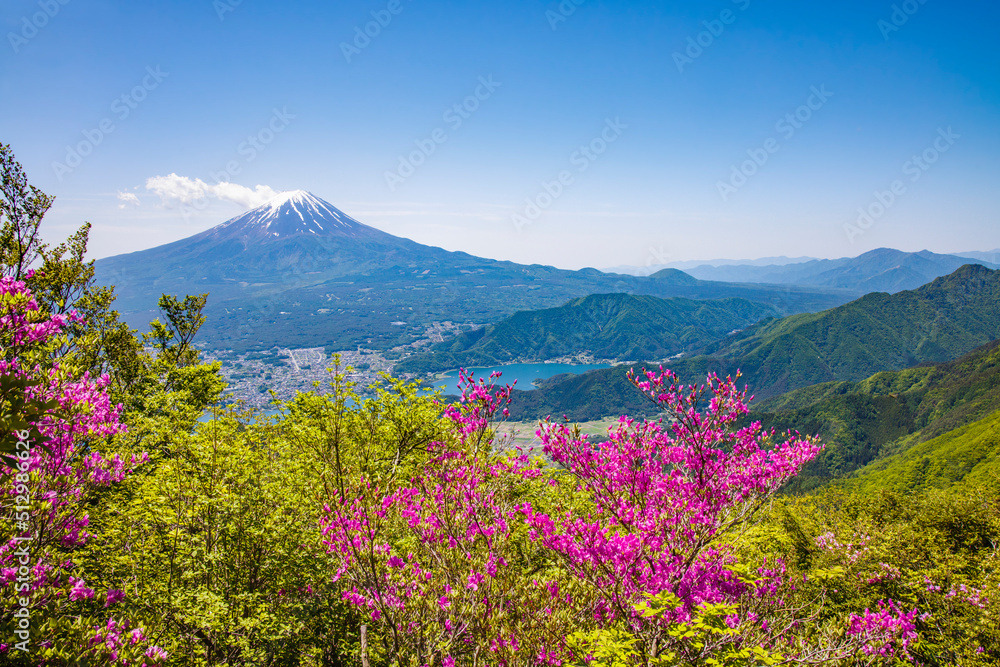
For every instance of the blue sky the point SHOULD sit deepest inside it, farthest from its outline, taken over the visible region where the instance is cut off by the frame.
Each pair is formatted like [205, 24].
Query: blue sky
[587, 133]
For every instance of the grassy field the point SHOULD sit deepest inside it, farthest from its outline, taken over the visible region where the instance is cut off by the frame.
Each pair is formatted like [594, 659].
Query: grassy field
[522, 433]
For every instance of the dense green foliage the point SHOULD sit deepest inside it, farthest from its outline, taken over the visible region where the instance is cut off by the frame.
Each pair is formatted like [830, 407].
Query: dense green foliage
[219, 542]
[931, 550]
[969, 456]
[160, 390]
[879, 332]
[604, 326]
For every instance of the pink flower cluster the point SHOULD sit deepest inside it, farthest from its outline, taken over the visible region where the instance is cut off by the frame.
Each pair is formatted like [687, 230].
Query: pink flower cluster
[109, 640]
[663, 493]
[58, 474]
[885, 631]
[21, 322]
[962, 593]
[884, 573]
[449, 585]
[851, 551]
[658, 500]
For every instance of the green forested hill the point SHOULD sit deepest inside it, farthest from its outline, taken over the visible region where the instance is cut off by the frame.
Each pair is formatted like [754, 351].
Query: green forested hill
[888, 412]
[935, 323]
[969, 455]
[606, 326]
[887, 419]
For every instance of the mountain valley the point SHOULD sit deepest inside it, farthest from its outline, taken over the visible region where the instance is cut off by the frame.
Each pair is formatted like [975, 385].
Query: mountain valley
[299, 273]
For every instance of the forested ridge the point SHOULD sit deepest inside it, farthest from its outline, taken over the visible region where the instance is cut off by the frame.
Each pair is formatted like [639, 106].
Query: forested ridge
[602, 326]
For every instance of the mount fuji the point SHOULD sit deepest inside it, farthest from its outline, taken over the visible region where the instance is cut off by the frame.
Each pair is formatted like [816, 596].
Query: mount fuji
[288, 214]
[298, 272]
[295, 238]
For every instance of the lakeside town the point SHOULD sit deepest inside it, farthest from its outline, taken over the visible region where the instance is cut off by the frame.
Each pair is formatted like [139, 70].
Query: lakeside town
[256, 378]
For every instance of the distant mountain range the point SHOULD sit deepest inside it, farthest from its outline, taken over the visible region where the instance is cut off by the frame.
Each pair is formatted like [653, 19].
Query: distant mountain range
[882, 270]
[992, 256]
[603, 326]
[298, 272]
[685, 265]
[935, 323]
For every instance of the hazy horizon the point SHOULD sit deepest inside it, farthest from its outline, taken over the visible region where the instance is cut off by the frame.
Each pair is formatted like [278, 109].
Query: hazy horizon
[680, 264]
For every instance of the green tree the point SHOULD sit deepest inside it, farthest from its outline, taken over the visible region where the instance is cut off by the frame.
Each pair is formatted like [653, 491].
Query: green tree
[162, 388]
[167, 380]
[220, 543]
[22, 207]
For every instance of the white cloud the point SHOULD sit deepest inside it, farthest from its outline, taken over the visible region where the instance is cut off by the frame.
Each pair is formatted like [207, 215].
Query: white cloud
[127, 198]
[174, 189]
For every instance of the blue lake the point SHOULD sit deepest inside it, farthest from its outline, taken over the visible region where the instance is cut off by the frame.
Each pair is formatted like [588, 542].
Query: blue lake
[525, 374]
[267, 412]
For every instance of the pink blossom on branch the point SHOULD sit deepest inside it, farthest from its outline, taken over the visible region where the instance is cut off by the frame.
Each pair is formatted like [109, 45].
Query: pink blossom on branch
[453, 587]
[663, 494]
[56, 477]
[644, 515]
[885, 631]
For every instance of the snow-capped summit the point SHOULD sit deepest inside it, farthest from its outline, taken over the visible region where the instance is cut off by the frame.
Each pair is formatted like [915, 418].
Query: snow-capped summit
[289, 214]
[295, 238]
